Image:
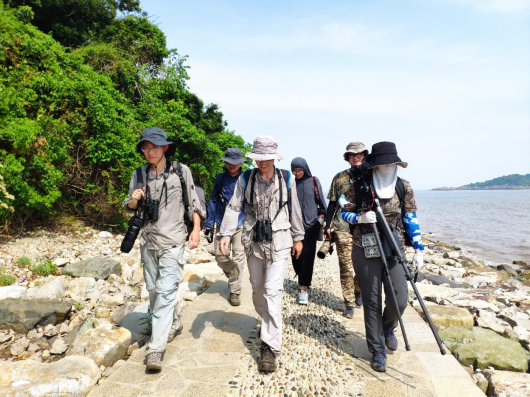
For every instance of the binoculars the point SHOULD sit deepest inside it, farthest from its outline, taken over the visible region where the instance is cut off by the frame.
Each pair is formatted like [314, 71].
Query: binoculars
[151, 209]
[263, 231]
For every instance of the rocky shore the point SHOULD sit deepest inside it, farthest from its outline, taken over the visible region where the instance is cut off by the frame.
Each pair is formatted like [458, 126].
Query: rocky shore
[90, 314]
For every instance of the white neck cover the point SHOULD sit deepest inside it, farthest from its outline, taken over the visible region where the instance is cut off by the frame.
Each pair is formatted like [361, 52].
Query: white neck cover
[385, 178]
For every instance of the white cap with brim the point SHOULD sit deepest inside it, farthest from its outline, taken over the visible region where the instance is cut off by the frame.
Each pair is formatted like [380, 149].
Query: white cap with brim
[265, 148]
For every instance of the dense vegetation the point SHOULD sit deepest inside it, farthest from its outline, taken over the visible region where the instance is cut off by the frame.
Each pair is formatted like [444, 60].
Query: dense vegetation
[76, 89]
[514, 180]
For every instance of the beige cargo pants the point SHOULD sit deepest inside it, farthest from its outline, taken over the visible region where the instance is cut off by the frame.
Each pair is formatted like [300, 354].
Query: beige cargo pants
[232, 266]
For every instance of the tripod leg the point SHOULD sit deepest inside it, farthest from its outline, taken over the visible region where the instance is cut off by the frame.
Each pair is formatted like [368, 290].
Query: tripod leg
[387, 271]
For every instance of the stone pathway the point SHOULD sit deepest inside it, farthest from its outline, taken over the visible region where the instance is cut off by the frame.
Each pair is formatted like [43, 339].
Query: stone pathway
[324, 354]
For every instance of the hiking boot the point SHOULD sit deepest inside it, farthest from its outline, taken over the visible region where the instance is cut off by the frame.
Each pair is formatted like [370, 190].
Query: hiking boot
[235, 300]
[358, 299]
[303, 298]
[154, 361]
[348, 312]
[391, 341]
[267, 361]
[176, 327]
[378, 362]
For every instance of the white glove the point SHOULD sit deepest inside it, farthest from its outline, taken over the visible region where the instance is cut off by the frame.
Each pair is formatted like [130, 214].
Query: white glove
[367, 217]
[343, 201]
[417, 260]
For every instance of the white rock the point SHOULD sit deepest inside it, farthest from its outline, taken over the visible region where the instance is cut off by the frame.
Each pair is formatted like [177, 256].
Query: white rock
[71, 376]
[13, 291]
[474, 304]
[479, 281]
[189, 295]
[113, 300]
[61, 261]
[53, 289]
[50, 330]
[144, 295]
[105, 344]
[105, 235]
[522, 334]
[18, 347]
[63, 328]
[59, 346]
[80, 288]
[126, 272]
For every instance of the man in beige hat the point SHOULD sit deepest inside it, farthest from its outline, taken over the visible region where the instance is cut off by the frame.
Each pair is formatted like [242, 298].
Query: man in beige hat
[273, 229]
[355, 152]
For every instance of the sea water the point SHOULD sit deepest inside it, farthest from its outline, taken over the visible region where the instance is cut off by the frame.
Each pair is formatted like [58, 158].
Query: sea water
[494, 224]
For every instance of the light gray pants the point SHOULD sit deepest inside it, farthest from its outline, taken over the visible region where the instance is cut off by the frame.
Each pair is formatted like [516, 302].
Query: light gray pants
[163, 272]
[266, 278]
[232, 267]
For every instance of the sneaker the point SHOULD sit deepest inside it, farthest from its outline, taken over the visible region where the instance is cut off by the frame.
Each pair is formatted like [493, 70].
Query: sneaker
[235, 300]
[378, 362]
[267, 361]
[176, 327]
[303, 298]
[348, 312]
[154, 361]
[358, 299]
[391, 341]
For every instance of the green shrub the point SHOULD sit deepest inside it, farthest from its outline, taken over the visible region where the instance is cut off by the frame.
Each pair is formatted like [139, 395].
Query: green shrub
[44, 269]
[7, 279]
[78, 306]
[23, 261]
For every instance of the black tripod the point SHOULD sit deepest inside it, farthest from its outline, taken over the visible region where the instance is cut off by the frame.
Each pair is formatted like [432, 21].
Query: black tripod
[408, 274]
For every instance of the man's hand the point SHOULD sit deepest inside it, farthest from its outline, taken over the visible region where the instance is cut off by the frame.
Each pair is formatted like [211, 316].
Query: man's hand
[327, 232]
[135, 196]
[297, 249]
[224, 245]
[194, 239]
[324, 226]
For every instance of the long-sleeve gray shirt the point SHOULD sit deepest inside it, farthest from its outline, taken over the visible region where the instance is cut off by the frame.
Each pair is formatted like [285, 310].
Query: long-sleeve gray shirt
[170, 229]
[287, 227]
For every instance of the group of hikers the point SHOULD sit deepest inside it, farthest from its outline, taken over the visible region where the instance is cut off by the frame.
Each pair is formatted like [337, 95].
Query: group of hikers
[263, 216]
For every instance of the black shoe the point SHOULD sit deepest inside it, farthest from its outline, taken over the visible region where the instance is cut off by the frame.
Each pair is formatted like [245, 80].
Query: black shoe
[348, 312]
[391, 341]
[267, 361]
[379, 361]
[358, 299]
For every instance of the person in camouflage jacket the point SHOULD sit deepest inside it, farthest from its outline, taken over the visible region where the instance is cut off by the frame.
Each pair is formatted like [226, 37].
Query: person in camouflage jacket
[401, 216]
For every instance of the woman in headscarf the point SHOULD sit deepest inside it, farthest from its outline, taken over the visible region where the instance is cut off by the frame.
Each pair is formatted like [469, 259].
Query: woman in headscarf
[313, 204]
[396, 199]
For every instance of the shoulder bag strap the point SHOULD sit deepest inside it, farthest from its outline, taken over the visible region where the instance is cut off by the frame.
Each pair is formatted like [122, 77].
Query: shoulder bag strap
[184, 193]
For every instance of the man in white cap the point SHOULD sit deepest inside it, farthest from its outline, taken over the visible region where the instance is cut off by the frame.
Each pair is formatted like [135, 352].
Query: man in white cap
[273, 229]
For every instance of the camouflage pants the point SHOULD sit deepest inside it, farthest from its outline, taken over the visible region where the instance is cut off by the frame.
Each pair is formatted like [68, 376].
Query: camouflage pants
[348, 282]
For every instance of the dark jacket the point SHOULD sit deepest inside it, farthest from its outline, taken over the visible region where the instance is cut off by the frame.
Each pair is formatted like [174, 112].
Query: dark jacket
[221, 196]
[305, 188]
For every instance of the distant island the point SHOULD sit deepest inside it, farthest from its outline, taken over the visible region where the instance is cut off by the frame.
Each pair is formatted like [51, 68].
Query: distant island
[507, 182]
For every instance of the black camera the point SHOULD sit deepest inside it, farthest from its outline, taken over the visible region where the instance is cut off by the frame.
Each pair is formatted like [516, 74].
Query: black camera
[135, 224]
[263, 231]
[151, 209]
[362, 176]
[208, 233]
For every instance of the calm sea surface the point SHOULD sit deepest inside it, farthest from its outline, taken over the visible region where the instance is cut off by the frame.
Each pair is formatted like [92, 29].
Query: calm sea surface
[493, 224]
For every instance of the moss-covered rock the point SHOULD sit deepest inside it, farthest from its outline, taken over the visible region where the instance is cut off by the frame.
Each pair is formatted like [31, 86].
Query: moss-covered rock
[448, 316]
[483, 348]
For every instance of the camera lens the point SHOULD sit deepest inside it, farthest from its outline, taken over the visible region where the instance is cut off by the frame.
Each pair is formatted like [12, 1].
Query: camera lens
[129, 239]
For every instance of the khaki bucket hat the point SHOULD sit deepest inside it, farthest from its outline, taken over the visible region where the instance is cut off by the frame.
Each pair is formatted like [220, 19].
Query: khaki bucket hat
[355, 147]
[265, 147]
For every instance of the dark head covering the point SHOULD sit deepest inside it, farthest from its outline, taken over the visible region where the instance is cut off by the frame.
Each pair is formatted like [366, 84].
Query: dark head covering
[383, 153]
[299, 162]
[157, 137]
[233, 156]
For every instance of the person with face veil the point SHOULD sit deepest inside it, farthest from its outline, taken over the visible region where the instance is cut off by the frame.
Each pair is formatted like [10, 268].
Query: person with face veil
[311, 200]
[397, 202]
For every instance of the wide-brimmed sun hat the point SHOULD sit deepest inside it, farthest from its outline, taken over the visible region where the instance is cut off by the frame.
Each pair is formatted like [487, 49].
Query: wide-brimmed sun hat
[265, 147]
[233, 156]
[355, 147]
[383, 153]
[158, 137]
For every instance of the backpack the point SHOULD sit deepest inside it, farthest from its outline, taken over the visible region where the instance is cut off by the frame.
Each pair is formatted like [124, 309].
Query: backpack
[281, 173]
[320, 211]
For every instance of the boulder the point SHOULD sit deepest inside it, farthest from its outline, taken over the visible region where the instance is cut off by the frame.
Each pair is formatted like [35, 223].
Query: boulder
[451, 254]
[136, 322]
[448, 316]
[123, 310]
[479, 281]
[82, 288]
[116, 299]
[492, 323]
[13, 291]
[61, 261]
[138, 276]
[53, 289]
[474, 304]
[71, 376]
[22, 315]
[433, 293]
[105, 235]
[105, 344]
[98, 268]
[517, 319]
[481, 381]
[19, 347]
[436, 280]
[59, 346]
[452, 273]
[507, 383]
[483, 348]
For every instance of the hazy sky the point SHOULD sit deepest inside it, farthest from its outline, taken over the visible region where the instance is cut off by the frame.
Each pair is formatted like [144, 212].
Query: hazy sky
[447, 80]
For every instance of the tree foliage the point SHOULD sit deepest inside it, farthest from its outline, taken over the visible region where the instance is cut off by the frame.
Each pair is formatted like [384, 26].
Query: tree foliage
[70, 118]
[514, 180]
